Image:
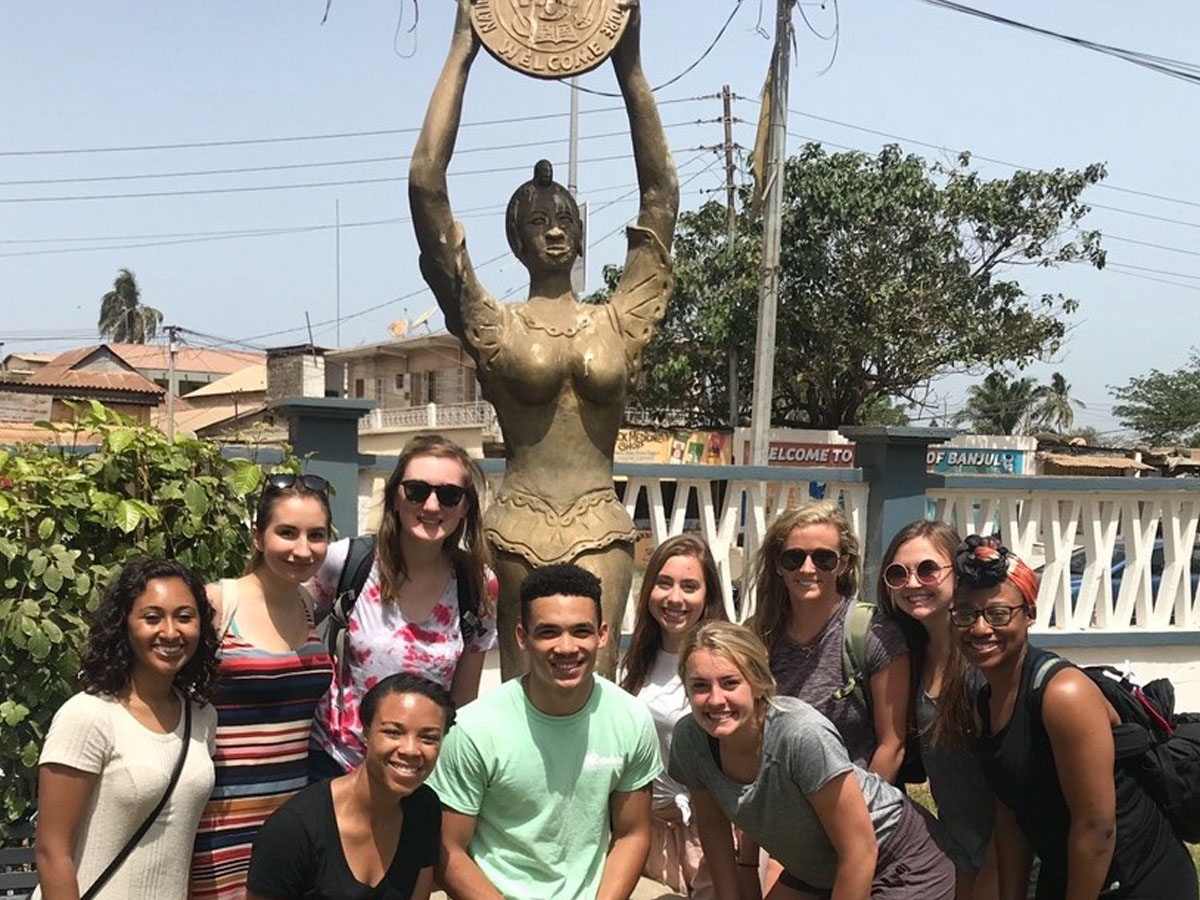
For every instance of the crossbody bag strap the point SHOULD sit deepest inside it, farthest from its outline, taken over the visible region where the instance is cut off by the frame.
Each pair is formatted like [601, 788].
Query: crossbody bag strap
[145, 826]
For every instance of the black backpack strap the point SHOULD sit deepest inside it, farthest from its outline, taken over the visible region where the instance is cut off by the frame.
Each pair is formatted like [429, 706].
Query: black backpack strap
[1037, 684]
[360, 556]
[468, 602]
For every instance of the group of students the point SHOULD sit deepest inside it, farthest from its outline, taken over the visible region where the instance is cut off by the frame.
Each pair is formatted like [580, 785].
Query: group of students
[730, 761]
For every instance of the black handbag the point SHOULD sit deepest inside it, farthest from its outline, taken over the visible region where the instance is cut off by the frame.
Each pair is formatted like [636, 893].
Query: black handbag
[104, 876]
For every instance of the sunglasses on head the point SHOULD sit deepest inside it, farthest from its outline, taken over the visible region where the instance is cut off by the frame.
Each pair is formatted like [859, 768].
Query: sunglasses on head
[281, 481]
[824, 559]
[928, 572]
[447, 494]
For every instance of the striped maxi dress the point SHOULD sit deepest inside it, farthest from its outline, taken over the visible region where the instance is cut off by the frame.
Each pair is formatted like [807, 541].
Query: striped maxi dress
[265, 702]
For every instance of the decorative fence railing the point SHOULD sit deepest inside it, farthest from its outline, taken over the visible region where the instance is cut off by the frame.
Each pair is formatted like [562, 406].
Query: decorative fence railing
[433, 416]
[1116, 554]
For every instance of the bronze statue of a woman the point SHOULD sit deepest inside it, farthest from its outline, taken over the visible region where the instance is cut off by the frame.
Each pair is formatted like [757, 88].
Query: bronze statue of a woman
[556, 370]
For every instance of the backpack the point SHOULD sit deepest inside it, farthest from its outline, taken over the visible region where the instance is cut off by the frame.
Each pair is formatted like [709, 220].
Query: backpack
[857, 688]
[359, 558]
[1158, 746]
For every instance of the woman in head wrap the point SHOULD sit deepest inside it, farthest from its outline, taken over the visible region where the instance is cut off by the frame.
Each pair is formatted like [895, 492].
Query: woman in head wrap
[1045, 741]
[557, 371]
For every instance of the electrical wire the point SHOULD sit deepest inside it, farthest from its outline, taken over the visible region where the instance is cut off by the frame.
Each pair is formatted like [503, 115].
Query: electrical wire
[242, 142]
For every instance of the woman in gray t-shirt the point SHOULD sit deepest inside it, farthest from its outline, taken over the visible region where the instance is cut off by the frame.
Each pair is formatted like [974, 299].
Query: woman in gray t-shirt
[777, 769]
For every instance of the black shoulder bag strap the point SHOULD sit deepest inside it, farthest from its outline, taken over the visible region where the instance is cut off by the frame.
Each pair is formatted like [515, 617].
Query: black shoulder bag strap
[145, 826]
[468, 602]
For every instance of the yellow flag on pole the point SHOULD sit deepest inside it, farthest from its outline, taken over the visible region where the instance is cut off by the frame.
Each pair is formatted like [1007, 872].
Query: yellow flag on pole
[758, 161]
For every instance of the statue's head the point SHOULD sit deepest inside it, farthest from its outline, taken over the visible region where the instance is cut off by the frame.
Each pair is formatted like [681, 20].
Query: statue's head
[542, 222]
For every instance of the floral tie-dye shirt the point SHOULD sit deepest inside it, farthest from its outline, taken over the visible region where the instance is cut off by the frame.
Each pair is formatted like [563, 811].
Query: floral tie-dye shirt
[380, 641]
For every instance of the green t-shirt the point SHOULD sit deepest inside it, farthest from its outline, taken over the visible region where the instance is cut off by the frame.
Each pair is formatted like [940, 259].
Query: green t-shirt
[539, 785]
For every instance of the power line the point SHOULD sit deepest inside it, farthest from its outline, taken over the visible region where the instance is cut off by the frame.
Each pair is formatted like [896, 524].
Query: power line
[387, 179]
[1185, 71]
[282, 167]
[242, 142]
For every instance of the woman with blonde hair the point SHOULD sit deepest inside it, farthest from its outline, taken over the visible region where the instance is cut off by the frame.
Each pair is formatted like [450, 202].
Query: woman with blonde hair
[778, 769]
[806, 579]
[408, 615]
[681, 588]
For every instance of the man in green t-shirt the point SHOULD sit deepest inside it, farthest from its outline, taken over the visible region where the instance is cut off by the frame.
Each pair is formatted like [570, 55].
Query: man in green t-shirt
[545, 781]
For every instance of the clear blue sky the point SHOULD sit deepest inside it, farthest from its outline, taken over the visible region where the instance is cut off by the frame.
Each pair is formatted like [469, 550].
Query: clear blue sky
[79, 75]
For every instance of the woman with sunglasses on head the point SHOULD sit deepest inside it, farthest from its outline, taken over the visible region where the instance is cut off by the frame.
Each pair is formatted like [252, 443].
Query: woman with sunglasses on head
[1046, 744]
[125, 769]
[406, 617]
[806, 580]
[376, 832]
[778, 769]
[916, 589]
[274, 670]
[680, 589]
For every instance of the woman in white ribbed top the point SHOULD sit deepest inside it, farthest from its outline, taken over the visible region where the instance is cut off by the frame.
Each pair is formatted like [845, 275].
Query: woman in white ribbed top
[110, 751]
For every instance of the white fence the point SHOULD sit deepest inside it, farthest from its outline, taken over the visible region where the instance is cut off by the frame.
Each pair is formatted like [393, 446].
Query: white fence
[432, 416]
[1139, 533]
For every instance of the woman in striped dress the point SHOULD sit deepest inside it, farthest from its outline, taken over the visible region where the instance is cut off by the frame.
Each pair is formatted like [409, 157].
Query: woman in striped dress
[274, 670]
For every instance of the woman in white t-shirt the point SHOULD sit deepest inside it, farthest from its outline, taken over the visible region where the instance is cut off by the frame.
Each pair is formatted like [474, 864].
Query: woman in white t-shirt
[150, 665]
[406, 617]
[680, 589]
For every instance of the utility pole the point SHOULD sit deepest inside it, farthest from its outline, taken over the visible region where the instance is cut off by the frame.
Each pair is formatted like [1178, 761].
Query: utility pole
[337, 250]
[730, 235]
[172, 380]
[768, 294]
[579, 269]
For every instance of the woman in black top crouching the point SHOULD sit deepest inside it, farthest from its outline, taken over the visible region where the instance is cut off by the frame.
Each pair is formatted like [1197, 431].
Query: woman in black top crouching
[1045, 742]
[374, 832]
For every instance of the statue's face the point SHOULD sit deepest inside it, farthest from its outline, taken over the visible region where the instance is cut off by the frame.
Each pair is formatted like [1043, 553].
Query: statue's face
[551, 235]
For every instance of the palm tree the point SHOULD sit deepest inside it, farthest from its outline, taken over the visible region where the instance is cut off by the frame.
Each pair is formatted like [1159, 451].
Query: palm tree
[123, 317]
[1001, 404]
[1056, 409]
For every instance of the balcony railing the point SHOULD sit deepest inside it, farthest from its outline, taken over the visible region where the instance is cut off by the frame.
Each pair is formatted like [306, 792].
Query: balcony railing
[434, 415]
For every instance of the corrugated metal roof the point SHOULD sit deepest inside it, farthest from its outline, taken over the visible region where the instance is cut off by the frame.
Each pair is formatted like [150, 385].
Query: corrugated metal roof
[187, 359]
[248, 380]
[63, 372]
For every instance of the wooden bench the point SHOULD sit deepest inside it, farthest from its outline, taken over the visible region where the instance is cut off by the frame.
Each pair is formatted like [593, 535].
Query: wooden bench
[18, 876]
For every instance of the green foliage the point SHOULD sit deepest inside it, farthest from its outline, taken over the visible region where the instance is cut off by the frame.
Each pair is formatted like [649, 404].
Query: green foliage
[1163, 407]
[1001, 404]
[123, 317]
[892, 272]
[68, 521]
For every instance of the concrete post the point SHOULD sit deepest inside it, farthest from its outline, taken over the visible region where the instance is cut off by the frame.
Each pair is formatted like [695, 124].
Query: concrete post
[892, 458]
[323, 431]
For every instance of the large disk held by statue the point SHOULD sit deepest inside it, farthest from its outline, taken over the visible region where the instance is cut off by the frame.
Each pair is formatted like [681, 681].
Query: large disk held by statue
[549, 38]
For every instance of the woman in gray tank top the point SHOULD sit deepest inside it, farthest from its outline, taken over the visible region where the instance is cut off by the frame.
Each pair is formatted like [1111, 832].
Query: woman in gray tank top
[777, 769]
[916, 590]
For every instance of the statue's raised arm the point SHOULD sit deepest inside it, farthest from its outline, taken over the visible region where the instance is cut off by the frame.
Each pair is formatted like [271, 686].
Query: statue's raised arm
[428, 197]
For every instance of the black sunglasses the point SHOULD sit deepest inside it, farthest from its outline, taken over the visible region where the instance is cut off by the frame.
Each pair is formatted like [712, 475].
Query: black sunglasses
[281, 481]
[824, 559]
[965, 616]
[418, 492]
[928, 572]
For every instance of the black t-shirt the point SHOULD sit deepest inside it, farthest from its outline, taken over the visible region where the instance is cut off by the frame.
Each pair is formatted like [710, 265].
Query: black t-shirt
[298, 852]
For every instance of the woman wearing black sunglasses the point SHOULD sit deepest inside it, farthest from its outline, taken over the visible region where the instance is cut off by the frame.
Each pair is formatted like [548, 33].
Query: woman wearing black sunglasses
[916, 589]
[1043, 733]
[806, 580]
[406, 616]
[274, 669]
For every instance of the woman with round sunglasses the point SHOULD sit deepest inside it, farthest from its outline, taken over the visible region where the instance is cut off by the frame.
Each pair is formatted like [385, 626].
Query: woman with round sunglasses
[406, 616]
[374, 833]
[806, 580]
[274, 670]
[680, 589]
[131, 750]
[916, 589]
[1043, 733]
[778, 769]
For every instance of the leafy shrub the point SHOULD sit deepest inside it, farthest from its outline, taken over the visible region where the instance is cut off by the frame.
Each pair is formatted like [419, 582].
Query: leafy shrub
[69, 519]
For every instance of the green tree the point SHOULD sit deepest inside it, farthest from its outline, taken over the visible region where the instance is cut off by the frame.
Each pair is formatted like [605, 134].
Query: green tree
[1162, 407]
[1056, 410]
[1001, 404]
[123, 317]
[892, 272]
[69, 520]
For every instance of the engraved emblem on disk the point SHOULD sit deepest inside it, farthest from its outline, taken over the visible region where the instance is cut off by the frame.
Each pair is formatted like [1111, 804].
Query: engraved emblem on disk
[550, 38]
